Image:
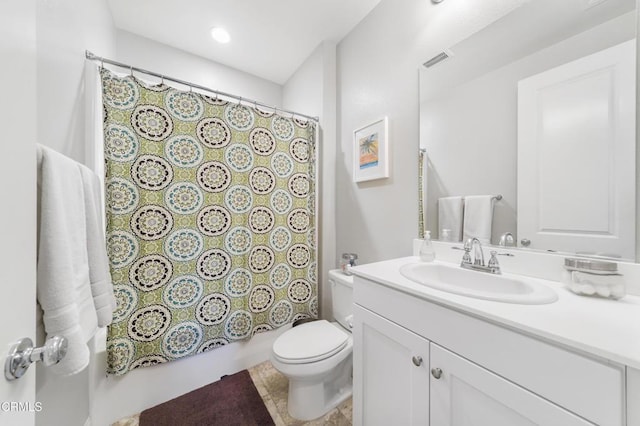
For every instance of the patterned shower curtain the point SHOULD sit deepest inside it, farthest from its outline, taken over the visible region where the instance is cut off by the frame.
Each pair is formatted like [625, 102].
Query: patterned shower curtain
[210, 221]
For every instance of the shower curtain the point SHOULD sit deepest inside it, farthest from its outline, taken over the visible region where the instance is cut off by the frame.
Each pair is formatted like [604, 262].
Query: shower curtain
[210, 221]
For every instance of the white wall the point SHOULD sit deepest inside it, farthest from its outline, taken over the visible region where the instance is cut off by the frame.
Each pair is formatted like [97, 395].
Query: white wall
[312, 90]
[474, 158]
[64, 29]
[148, 54]
[302, 92]
[378, 76]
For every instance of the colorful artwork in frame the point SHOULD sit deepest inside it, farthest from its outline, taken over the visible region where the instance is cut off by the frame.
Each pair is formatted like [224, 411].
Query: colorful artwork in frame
[370, 152]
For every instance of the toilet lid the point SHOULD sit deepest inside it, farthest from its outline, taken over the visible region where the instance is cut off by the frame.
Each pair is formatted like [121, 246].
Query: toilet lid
[309, 342]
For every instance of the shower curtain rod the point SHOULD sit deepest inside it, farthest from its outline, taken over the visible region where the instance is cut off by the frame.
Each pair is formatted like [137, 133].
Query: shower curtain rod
[92, 57]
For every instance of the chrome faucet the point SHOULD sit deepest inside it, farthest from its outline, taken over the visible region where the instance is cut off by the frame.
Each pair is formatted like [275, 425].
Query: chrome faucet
[493, 267]
[476, 246]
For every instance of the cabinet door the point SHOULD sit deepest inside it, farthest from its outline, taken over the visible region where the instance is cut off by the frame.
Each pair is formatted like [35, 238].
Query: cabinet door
[390, 373]
[633, 396]
[466, 394]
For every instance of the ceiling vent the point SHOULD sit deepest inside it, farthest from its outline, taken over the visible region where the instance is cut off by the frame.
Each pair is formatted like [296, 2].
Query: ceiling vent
[588, 4]
[438, 58]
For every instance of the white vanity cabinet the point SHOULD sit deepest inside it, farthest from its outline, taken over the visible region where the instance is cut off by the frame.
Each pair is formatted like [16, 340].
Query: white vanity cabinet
[392, 378]
[473, 372]
[465, 394]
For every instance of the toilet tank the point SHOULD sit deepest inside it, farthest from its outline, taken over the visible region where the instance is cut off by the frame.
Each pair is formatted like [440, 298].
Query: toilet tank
[341, 297]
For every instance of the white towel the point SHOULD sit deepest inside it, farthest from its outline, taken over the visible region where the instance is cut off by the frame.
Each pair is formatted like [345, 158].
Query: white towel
[450, 217]
[63, 277]
[100, 277]
[478, 216]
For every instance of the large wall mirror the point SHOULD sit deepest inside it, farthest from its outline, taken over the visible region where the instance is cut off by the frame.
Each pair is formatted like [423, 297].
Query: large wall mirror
[540, 108]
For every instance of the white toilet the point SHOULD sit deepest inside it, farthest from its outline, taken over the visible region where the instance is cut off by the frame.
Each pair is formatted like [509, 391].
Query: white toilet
[316, 356]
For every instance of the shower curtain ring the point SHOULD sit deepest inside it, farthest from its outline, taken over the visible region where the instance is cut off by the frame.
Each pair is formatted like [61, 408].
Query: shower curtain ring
[239, 100]
[101, 63]
[162, 80]
[131, 70]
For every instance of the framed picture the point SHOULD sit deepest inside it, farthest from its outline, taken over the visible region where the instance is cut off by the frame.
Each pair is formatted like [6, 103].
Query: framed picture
[371, 152]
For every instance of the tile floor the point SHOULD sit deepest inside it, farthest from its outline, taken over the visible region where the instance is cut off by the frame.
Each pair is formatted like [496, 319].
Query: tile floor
[273, 388]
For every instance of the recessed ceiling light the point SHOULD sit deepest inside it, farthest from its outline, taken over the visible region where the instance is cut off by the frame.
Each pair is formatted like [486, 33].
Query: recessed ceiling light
[220, 35]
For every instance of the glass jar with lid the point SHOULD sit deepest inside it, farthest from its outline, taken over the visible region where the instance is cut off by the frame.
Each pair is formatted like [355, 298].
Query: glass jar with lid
[347, 261]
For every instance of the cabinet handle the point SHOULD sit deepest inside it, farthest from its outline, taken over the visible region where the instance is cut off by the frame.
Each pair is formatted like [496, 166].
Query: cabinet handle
[436, 373]
[417, 361]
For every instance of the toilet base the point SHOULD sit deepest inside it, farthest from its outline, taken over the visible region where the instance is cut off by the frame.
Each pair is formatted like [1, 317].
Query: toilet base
[303, 410]
[309, 400]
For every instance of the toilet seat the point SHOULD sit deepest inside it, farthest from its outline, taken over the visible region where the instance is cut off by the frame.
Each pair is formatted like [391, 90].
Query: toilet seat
[310, 342]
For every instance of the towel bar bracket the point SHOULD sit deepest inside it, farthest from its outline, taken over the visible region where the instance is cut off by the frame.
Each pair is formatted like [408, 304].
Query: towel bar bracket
[22, 354]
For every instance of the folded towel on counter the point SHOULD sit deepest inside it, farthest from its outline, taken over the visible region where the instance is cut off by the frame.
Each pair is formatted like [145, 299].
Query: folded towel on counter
[99, 275]
[450, 211]
[63, 273]
[478, 217]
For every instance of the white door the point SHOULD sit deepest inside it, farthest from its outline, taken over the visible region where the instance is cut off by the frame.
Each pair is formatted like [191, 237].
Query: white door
[576, 155]
[17, 200]
[465, 394]
[390, 373]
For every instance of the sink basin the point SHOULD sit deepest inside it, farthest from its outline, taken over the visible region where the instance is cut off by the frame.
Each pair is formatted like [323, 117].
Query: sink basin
[481, 285]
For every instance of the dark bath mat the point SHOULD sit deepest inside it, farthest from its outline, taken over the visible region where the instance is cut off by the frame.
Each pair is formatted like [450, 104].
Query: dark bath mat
[231, 401]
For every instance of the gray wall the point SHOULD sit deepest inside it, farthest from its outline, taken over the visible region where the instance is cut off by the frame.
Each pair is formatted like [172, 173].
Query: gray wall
[378, 76]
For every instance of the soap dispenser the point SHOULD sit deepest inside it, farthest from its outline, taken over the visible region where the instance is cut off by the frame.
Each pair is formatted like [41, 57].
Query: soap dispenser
[427, 252]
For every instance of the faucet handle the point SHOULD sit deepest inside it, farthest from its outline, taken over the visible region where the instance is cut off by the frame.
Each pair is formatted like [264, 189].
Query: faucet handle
[507, 240]
[466, 257]
[493, 261]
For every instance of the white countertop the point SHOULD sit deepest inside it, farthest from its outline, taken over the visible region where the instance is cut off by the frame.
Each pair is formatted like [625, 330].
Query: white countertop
[603, 327]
